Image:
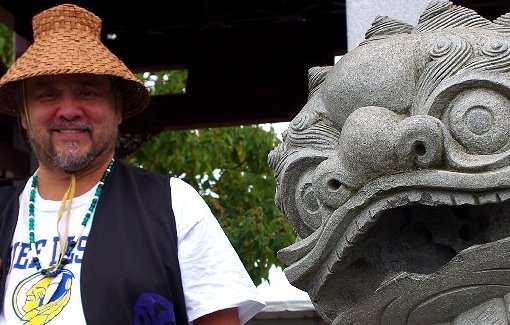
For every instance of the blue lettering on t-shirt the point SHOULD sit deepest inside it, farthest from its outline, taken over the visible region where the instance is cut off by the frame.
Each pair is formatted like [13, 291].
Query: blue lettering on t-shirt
[71, 257]
[80, 247]
[14, 253]
[54, 252]
[22, 260]
[20, 251]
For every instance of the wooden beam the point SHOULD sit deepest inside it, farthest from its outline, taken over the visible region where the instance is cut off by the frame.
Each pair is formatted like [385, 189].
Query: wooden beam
[227, 108]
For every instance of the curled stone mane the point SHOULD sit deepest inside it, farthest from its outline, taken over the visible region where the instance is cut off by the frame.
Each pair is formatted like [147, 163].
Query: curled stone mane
[384, 26]
[438, 15]
[443, 14]
[502, 24]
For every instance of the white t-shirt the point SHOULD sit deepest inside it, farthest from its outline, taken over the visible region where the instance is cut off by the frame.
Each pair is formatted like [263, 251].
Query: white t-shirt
[208, 285]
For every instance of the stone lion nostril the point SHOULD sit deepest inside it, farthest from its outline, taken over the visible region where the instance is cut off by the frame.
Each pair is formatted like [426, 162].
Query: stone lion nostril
[419, 148]
[334, 185]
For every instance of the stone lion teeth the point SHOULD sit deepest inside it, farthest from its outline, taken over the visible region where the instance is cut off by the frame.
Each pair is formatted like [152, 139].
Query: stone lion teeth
[504, 195]
[462, 199]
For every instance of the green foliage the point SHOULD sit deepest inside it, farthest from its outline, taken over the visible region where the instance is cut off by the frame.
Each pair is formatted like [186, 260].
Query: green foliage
[228, 166]
[6, 45]
[165, 81]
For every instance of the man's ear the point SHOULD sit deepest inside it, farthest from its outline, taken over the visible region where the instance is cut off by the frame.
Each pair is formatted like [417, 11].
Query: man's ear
[22, 110]
[118, 107]
[23, 120]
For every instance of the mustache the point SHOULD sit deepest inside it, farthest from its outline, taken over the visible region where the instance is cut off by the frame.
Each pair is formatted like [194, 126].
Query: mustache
[70, 125]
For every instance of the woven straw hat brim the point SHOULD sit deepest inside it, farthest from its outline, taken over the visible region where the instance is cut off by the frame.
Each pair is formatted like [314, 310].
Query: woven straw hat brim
[57, 53]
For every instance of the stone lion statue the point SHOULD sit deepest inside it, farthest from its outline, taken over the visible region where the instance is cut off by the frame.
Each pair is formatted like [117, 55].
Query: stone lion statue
[395, 175]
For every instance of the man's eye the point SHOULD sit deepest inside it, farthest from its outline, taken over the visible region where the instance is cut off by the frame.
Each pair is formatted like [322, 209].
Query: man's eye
[88, 93]
[47, 95]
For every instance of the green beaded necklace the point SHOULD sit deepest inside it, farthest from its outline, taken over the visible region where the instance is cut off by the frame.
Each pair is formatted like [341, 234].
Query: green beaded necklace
[67, 247]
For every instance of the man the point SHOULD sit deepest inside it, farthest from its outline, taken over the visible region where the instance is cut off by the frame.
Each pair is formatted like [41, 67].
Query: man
[88, 239]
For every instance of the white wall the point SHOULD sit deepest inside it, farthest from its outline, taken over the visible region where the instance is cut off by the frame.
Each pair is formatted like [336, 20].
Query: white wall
[361, 13]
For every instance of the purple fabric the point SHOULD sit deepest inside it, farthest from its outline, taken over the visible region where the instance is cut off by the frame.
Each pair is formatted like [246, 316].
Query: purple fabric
[151, 308]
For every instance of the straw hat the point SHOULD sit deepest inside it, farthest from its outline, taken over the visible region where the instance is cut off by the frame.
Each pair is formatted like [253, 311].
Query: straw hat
[67, 41]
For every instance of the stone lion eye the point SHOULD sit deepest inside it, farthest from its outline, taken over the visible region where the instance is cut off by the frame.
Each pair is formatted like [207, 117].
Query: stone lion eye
[479, 120]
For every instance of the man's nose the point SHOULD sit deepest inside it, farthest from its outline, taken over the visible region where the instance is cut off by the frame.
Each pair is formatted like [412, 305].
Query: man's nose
[69, 109]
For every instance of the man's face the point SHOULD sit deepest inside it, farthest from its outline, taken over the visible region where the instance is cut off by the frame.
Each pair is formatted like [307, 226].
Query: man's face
[71, 120]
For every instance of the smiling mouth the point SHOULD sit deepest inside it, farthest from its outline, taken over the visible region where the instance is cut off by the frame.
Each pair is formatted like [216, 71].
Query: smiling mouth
[71, 131]
[71, 135]
[70, 127]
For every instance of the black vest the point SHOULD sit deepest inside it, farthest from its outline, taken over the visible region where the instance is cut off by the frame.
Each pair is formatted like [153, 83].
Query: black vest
[130, 270]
